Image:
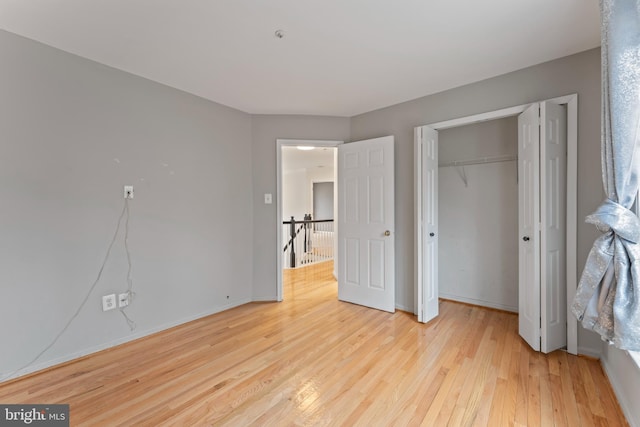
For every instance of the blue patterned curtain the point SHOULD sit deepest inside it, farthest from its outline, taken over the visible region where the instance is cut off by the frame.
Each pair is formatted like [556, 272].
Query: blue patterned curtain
[608, 296]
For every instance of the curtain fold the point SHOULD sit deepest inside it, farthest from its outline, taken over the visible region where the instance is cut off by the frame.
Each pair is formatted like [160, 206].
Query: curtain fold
[608, 296]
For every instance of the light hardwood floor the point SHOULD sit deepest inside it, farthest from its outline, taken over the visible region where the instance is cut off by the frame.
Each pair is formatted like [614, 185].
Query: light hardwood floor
[313, 360]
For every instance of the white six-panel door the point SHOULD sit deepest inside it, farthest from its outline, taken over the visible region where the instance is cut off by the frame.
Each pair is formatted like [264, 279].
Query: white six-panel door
[366, 269]
[528, 225]
[553, 261]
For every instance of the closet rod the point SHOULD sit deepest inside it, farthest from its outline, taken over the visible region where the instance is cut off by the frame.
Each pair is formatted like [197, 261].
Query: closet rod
[479, 161]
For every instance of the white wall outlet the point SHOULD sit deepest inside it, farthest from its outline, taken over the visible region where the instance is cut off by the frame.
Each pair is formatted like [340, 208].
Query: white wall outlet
[123, 300]
[268, 199]
[108, 302]
[128, 191]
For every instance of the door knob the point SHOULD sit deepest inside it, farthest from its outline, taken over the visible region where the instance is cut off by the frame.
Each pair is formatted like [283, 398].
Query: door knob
[432, 234]
[387, 233]
[525, 238]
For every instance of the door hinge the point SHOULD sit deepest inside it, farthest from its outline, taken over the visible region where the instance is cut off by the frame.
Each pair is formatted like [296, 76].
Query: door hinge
[539, 116]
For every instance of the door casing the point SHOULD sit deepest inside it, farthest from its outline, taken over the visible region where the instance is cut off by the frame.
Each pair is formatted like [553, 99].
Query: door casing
[571, 101]
[293, 143]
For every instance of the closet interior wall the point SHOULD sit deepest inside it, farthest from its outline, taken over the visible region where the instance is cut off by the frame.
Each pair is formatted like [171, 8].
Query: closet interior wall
[478, 214]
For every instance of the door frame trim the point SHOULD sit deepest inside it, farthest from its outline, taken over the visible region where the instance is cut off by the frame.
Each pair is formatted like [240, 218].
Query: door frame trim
[280, 142]
[571, 101]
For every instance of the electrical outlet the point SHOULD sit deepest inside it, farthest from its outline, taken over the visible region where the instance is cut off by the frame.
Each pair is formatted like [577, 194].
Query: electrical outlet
[123, 300]
[128, 191]
[108, 302]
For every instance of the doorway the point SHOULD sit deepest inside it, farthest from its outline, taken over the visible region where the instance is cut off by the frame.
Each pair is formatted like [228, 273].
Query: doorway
[426, 155]
[302, 178]
[364, 235]
[478, 214]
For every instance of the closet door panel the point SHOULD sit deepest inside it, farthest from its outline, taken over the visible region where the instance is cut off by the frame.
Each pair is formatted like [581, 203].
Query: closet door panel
[528, 225]
[553, 184]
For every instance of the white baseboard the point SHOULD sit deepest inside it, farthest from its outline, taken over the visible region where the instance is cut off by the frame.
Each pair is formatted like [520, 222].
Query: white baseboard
[134, 336]
[591, 352]
[267, 298]
[479, 302]
[404, 308]
[623, 374]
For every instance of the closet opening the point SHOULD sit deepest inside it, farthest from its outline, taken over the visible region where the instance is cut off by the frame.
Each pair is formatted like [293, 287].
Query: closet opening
[478, 214]
[483, 253]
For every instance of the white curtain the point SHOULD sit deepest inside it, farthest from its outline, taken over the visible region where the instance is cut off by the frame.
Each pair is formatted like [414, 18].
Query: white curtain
[608, 296]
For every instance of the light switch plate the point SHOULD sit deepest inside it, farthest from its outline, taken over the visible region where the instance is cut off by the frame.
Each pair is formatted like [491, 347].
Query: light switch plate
[268, 199]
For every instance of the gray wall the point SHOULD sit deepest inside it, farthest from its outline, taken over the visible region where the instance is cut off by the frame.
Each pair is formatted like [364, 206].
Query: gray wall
[578, 73]
[74, 132]
[323, 200]
[486, 139]
[478, 222]
[266, 130]
[65, 121]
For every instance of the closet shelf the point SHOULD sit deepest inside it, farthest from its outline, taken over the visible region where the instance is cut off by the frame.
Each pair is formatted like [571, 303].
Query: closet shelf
[479, 161]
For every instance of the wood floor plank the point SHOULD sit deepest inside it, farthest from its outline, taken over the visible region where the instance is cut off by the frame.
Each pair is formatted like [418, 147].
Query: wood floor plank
[522, 393]
[546, 400]
[486, 399]
[557, 401]
[468, 403]
[446, 411]
[313, 360]
[590, 389]
[568, 390]
[534, 409]
[510, 399]
[495, 415]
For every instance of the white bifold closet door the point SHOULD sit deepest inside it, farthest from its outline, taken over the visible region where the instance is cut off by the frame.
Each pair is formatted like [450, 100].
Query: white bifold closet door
[427, 152]
[542, 183]
[542, 175]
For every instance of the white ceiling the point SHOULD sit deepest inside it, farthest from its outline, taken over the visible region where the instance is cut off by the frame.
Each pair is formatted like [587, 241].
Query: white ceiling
[318, 158]
[338, 57]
